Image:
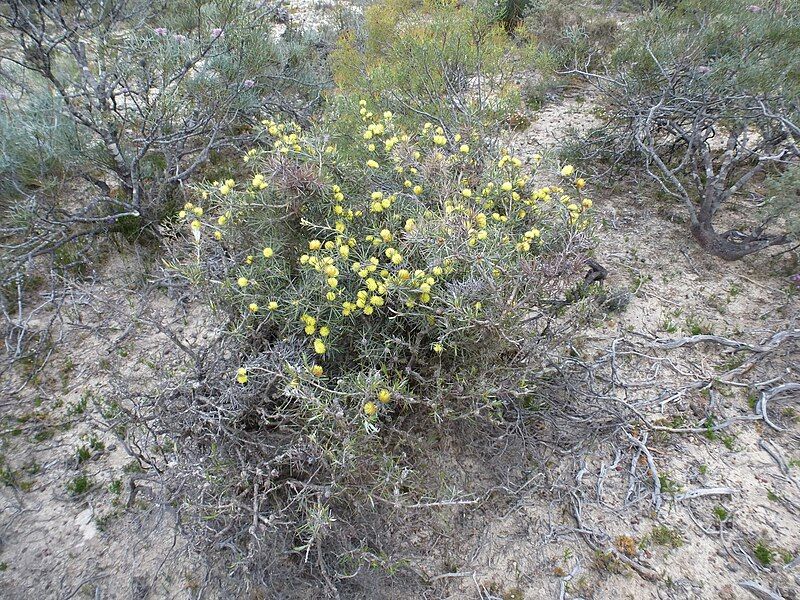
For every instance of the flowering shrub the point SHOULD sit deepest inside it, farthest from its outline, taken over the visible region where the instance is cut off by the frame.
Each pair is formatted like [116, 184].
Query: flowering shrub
[419, 256]
[398, 278]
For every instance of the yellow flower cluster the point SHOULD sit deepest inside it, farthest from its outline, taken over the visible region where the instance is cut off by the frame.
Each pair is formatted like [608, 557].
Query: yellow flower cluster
[361, 256]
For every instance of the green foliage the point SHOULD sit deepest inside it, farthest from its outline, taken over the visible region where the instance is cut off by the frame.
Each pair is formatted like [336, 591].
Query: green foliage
[764, 554]
[783, 197]
[664, 535]
[565, 35]
[204, 68]
[752, 52]
[39, 144]
[721, 513]
[428, 61]
[705, 95]
[79, 485]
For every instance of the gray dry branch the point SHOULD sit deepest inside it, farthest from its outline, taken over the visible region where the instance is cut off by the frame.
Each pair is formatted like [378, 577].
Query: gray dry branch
[701, 148]
[158, 101]
[153, 92]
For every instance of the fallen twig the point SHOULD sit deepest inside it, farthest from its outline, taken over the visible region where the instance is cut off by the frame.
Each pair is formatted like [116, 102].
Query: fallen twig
[759, 591]
[700, 492]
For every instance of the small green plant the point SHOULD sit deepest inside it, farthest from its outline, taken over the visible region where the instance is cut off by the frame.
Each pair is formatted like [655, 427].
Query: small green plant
[763, 553]
[115, 487]
[669, 325]
[721, 513]
[772, 496]
[79, 407]
[668, 485]
[663, 535]
[83, 454]
[79, 485]
[697, 327]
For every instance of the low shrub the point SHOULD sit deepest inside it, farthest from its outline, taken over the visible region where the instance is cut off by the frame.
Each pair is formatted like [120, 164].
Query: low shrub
[375, 291]
[429, 61]
[705, 97]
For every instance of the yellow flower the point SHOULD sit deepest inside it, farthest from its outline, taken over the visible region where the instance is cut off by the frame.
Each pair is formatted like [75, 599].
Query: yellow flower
[464, 148]
[403, 275]
[466, 192]
[417, 189]
[333, 282]
[386, 235]
[222, 220]
[376, 301]
[587, 203]
[314, 245]
[372, 164]
[370, 409]
[438, 348]
[567, 170]
[439, 140]
[384, 395]
[241, 375]
[580, 183]
[217, 235]
[324, 331]
[316, 371]
[267, 252]
[319, 346]
[243, 282]
[507, 186]
[198, 211]
[196, 225]
[272, 305]
[253, 307]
